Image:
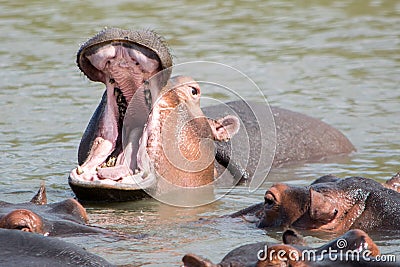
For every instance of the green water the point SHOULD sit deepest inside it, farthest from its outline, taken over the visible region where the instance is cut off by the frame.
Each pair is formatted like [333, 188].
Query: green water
[335, 60]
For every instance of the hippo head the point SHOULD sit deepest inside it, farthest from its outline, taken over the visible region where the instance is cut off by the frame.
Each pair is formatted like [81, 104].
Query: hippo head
[283, 205]
[353, 241]
[294, 252]
[37, 216]
[174, 145]
[323, 206]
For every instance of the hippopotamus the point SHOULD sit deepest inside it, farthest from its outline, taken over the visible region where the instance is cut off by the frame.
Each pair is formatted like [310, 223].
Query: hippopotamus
[294, 252]
[127, 62]
[330, 204]
[19, 248]
[62, 218]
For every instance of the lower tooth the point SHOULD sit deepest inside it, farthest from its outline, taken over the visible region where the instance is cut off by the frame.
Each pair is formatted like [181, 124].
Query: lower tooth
[79, 170]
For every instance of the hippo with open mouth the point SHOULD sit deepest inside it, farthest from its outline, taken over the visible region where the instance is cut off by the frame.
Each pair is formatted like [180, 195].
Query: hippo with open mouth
[125, 61]
[174, 149]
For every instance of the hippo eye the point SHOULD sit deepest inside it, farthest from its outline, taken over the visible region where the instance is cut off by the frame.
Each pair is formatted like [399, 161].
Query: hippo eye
[269, 200]
[194, 90]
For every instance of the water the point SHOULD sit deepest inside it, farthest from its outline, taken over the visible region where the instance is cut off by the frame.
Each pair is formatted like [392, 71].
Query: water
[335, 60]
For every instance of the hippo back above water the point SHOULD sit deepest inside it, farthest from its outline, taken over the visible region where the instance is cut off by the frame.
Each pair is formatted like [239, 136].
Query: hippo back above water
[19, 248]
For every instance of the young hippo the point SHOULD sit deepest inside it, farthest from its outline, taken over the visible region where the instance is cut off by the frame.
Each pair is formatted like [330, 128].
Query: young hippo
[330, 204]
[294, 253]
[36, 216]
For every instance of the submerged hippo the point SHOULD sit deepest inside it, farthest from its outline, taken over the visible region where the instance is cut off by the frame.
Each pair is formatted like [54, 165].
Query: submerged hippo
[124, 61]
[19, 248]
[61, 218]
[330, 204]
[293, 252]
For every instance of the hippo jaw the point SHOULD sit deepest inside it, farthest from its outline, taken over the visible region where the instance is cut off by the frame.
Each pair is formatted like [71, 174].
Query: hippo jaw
[105, 160]
[124, 61]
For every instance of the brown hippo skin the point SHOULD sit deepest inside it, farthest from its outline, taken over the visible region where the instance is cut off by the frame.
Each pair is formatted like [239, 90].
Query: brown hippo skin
[177, 124]
[67, 217]
[253, 255]
[18, 248]
[330, 204]
[124, 60]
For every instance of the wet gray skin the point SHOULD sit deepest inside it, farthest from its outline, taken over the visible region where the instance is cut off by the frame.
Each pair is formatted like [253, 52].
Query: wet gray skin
[299, 138]
[29, 249]
[331, 205]
[246, 255]
[124, 61]
[67, 217]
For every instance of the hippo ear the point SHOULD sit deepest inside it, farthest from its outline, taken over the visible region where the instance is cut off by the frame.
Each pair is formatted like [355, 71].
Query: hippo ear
[223, 129]
[192, 260]
[322, 209]
[291, 237]
[393, 183]
[40, 198]
[326, 179]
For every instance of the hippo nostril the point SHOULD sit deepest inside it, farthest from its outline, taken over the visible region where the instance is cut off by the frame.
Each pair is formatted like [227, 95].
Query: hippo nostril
[335, 212]
[112, 81]
[269, 200]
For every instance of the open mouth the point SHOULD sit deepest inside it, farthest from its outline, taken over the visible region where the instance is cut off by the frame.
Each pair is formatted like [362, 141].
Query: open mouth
[125, 68]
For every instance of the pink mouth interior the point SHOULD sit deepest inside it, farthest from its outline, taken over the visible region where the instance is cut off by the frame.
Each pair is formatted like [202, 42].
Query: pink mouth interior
[124, 70]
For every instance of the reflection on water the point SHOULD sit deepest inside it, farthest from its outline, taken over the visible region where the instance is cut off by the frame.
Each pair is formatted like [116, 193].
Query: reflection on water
[335, 60]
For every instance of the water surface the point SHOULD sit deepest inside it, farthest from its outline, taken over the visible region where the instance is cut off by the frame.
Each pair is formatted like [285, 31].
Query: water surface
[338, 61]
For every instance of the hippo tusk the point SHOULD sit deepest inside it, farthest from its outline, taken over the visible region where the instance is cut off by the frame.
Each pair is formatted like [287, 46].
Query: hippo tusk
[79, 170]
